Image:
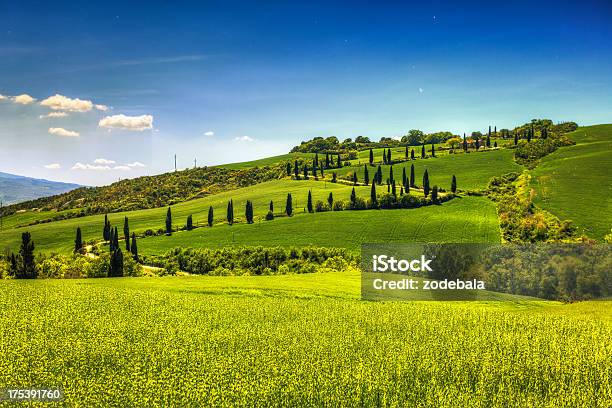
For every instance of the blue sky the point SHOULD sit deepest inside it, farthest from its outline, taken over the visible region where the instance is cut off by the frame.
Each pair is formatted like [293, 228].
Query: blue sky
[230, 81]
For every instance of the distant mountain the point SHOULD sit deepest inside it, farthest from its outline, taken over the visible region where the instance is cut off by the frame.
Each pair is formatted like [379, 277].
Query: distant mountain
[15, 189]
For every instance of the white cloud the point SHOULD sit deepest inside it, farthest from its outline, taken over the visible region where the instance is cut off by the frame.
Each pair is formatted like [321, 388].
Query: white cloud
[81, 166]
[135, 164]
[53, 166]
[244, 139]
[63, 132]
[209, 133]
[124, 168]
[102, 108]
[63, 103]
[135, 123]
[420, 90]
[104, 161]
[54, 115]
[2, 97]
[23, 99]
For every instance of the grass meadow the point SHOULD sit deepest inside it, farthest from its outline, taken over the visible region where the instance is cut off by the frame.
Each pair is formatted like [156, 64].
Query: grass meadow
[574, 182]
[296, 340]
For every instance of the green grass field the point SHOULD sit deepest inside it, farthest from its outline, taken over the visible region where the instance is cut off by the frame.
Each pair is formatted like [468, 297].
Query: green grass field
[266, 161]
[467, 219]
[296, 340]
[473, 170]
[574, 182]
[454, 220]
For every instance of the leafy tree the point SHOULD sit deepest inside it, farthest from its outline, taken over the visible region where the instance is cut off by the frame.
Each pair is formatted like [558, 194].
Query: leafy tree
[422, 151]
[373, 193]
[426, 183]
[330, 200]
[353, 196]
[414, 137]
[27, 269]
[169, 222]
[230, 212]
[371, 156]
[454, 184]
[289, 205]
[210, 216]
[78, 241]
[189, 225]
[134, 247]
[126, 233]
[412, 178]
[366, 175]
[434, 194]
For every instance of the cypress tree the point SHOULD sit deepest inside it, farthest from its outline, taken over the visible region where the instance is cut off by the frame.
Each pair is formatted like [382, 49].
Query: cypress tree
[14, 267]
[384, 156]
[465, 144]
[334, 177]
[126, 233]
[401, 191]
[322, 175]
[406, 154]
[327, 160]
[230, 212]
[106, 232]
[355, 178]
[489, 140]
[366, 175]
[116, 239]
[371, 156]
[412, 154]
[111, 241]
[330, 200]
[189, 225]
[373, 194]
[248, 213]
[393, 189]
[433, 150]
[339, 162]
[404, 178]
[353, 196]
[389, 159]
[296, 171]
[305, 172]
[288, 168]
[426, 183]
[316, 160]
[309, 205]
[271, 206]
[477, 143]
[515, 138]
[210, 216]
[116, 263]
[412, 179]
[423, 151]
[134, 247]
[315, 172]
[391, 177]
[289, 205]
[454, 184]
[379, 175]
[529, 135]
[78, 241]
[434, 194]
[169, 222]
[495, 144]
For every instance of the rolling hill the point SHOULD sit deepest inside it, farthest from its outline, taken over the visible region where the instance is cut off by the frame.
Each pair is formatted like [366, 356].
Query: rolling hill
[15, 189]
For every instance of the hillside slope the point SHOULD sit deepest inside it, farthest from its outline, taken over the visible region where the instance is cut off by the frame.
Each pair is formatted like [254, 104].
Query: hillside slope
[574, 182]
[15, 189]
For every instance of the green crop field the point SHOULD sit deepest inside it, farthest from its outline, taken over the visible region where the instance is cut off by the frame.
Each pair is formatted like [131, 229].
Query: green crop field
[473, 170]
[296, 340]
[575, 183]
[466, 219]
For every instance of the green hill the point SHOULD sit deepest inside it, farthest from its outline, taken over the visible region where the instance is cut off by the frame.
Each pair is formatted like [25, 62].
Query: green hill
[574, 182]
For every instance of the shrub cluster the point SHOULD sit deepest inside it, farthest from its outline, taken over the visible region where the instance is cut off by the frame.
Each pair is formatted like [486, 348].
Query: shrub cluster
[253, 260]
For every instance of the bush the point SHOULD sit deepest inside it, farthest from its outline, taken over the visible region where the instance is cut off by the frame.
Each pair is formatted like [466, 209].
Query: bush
[320, 206]
[269, 216]
[339, 206]
[358, 204]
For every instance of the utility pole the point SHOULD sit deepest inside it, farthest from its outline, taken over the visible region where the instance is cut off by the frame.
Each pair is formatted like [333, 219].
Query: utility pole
[1, 214]
[195, 163]
[175, 163]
